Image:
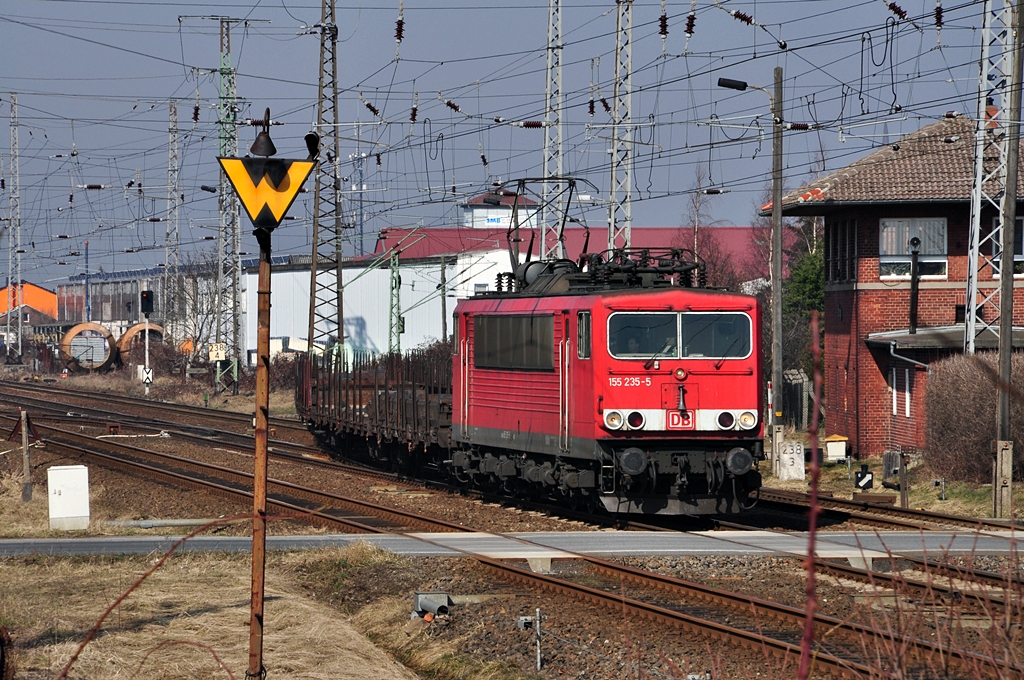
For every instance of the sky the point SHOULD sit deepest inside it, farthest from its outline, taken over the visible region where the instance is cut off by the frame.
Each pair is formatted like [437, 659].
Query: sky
[94, 80]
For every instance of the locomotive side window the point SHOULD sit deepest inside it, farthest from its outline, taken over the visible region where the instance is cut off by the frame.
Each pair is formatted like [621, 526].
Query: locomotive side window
[643, 336]
[455, 334]
[583, 335]
[718, 336]
[514, 342]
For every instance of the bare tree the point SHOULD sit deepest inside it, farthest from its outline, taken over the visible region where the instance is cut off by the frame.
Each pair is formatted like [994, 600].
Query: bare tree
[195, 298]
[702, 239]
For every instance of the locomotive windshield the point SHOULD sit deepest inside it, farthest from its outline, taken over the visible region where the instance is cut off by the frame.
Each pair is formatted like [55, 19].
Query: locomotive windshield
[686, 335]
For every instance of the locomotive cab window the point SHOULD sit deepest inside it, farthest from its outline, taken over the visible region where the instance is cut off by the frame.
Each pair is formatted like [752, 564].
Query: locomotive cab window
[715, 335]
[514, 342]
[643, 335]
[687, 335]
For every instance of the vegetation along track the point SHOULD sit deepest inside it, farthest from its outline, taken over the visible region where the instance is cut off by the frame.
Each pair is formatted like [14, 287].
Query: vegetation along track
[881, 515]
[845, 659]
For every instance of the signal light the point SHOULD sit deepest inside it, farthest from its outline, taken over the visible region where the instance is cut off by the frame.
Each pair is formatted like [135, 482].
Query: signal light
[726, 420]
[635, 420]
[147, 298]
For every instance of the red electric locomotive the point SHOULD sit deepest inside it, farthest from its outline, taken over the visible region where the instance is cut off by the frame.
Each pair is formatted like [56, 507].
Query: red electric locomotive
[611, 384]
[616, 383]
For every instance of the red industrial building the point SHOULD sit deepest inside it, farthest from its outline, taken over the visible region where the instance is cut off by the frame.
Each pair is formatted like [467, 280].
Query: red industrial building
[875, 367]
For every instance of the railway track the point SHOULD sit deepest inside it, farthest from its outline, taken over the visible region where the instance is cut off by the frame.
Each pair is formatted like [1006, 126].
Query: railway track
[217, 419]
[763, 625]
[883, 515]
[344, 513]
[983, 590]
[694, 607]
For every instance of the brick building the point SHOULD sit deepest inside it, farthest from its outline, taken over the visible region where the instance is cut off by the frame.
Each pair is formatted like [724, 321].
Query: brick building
[875, 368]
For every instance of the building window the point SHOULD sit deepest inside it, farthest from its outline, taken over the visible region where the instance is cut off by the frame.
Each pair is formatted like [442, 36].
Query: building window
[583, 335]
[841, 251]
[894, 246]
[906, 392]
[514, 342]
[1018, 249]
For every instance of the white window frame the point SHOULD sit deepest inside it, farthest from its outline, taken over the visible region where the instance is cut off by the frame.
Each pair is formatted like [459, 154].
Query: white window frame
[894, 246]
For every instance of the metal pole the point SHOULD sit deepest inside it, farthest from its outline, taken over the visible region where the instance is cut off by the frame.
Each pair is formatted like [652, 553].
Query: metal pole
[259, 486]
[777, 427]
[1002, 482]
[444, 303]
[904, 483]
[26, 485]
[536, 627]
[147, 355]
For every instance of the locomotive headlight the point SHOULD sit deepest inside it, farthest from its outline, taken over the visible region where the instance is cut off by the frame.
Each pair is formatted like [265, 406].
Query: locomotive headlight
[635, 420]
[747, 420]
[679, 373]
[613, 420]
[726, 420]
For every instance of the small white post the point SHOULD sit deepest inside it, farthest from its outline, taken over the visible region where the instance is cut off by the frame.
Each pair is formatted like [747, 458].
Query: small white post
[26, 485]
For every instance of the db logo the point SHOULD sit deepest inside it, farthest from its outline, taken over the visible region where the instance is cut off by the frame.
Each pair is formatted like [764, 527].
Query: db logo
[680, 420]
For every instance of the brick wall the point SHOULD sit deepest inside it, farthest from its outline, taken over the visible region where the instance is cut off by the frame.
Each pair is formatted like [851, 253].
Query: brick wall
[858, 379]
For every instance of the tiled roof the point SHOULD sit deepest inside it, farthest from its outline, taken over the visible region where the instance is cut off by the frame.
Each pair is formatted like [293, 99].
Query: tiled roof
[935, 163]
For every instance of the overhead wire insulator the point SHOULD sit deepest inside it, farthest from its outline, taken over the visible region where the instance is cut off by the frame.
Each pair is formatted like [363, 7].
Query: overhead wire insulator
[742, 16]
[378, 159]
[452, 105]
[532, 124]
[897, 10]
[483, 159]
[373, 109]
[606, 105]
[691, 22]
[663, 25]
[590, 107]
[195, 113]
[399, 28]
[938, 15]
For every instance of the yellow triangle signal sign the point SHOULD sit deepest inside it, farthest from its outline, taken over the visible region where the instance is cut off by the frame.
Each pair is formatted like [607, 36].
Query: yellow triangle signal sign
[267, 187]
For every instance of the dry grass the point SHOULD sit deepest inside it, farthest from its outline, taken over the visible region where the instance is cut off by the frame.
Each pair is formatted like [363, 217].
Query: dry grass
[189, 614]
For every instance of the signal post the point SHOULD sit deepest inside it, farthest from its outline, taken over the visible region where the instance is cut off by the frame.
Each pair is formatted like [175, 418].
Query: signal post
[267, 188]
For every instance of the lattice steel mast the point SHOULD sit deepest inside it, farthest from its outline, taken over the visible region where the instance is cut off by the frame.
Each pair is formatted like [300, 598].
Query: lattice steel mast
[620, 211]
[14, 238]
[326, 290]
[990, 142]
[229, 241]
[554, 202]
[171, 238]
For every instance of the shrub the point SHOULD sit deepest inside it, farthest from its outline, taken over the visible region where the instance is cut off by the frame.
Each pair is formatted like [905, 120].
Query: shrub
[960, 408]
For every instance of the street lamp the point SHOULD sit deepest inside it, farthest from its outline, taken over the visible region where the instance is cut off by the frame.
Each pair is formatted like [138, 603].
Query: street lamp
[267, 187]
[776, 273]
